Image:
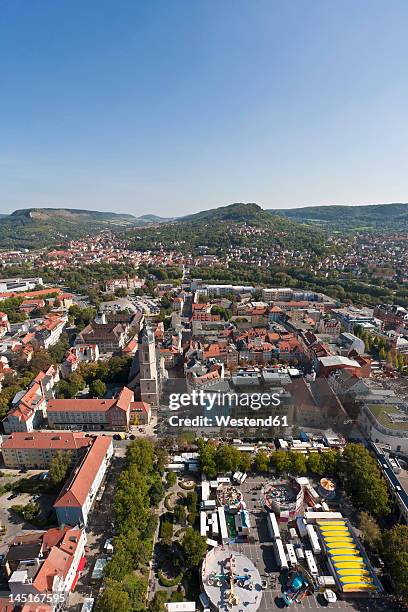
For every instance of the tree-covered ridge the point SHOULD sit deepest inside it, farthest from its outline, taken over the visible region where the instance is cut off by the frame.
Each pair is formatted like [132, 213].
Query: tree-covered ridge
[363, 218]
[42, 227]
[219, 231]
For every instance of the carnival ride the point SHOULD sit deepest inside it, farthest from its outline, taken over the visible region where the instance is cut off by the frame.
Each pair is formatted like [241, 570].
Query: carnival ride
[297, 588]
[231, 578]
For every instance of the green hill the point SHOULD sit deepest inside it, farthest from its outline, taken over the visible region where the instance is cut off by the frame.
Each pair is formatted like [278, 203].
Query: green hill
[233, 212]
[40, 227]
[365, 217]
[218, 230]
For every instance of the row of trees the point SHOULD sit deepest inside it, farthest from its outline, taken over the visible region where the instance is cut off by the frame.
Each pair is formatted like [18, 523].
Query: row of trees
[137, 493]
[392, 546]
[226, 458]
[356, 469]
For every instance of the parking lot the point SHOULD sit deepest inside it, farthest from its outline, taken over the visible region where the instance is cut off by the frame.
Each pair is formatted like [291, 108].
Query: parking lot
[260, 551]
[12, 523]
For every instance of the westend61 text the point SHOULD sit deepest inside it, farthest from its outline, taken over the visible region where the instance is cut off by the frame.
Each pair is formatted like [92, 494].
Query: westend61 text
[227, 421]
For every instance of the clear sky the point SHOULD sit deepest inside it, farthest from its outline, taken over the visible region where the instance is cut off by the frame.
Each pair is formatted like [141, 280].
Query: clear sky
[175, 106]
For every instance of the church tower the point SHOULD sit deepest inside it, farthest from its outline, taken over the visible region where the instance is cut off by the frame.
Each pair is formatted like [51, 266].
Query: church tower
[149, 383]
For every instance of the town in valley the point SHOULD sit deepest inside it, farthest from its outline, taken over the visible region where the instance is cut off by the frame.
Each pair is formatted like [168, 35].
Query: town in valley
[204, 420]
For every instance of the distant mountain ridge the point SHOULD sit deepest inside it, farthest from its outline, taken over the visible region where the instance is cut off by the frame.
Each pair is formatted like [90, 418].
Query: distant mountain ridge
[359, 217]
[39, 227]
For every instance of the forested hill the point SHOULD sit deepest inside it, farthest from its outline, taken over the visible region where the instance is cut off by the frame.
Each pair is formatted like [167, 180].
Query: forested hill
[221, 230]
[364, 218]
[233, 212]
[41, 227]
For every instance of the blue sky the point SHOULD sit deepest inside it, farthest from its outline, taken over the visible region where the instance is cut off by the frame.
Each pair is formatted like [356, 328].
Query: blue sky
[174, 106]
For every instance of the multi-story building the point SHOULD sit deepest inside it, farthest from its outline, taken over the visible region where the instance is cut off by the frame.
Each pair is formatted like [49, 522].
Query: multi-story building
[109, 337]
[75, 501]
[4, 324]
[351, 316]
[385, 424]
[29, 406]
[350, 342]
[49, 331]
[28, 411]
[91, 414]
[41, 564]
[391, 315]
[35, 450]
[82, 353]
[12, 285]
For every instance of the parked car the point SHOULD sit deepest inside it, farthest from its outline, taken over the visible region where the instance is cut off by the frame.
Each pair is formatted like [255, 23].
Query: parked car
[330, 596]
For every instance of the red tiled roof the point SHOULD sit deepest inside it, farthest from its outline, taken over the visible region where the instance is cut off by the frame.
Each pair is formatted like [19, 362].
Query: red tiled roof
[34, 294]
[139, 407]
[80, 405]
[46, 439]
[77, 488]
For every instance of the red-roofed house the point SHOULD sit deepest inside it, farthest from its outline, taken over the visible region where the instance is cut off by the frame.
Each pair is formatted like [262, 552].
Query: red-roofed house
[82, 353]
[140, 411]
[4, 324]
[28, 411]
[29, 406]
[49, 331]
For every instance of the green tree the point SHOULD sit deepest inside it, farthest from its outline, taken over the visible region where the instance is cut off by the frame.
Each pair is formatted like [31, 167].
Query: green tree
[191, 501]
[194, 547]
[261, 461]
[280, 461]
[41, 360]
[97, 388]
[370, 530]
[58, 350]
[158, 602]
[330, 462]
[136, 588]
[180, 514]
[245, 462]
[141, 454]
[171, 479]
[156, 491]
[207, 459]
[395, 555]
[166, 532]
[363, 481]
[113, 598]
[59, 468]
[314, 463]
[297, 463]
[227, 458]
[162, 458]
